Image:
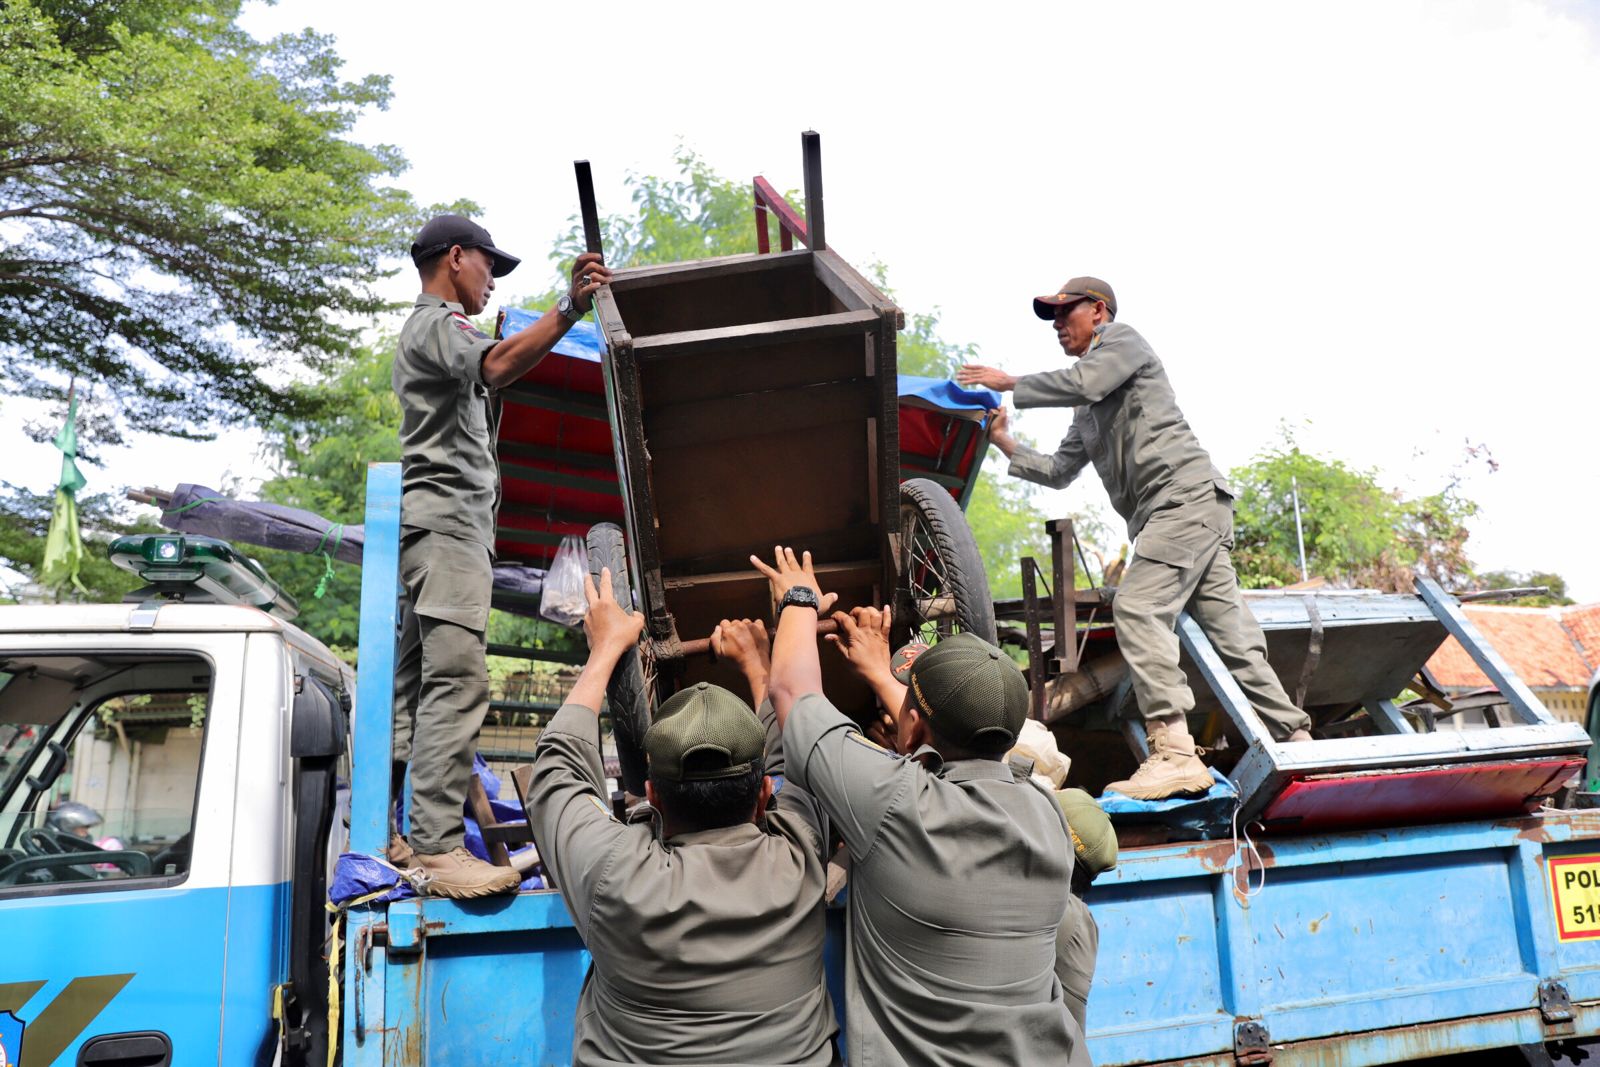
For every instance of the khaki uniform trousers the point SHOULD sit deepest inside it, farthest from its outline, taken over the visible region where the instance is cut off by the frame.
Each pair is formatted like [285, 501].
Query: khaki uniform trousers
[441, 681]
[1181, 561]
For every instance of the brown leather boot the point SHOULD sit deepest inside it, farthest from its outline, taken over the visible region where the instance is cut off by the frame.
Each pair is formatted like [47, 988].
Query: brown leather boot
[1173, 768]
[463, 876]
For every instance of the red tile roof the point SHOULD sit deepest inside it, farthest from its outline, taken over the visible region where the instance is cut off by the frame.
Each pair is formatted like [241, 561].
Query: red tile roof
[1548, 648]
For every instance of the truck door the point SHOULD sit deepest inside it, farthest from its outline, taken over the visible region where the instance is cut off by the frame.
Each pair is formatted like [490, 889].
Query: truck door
[116, 834]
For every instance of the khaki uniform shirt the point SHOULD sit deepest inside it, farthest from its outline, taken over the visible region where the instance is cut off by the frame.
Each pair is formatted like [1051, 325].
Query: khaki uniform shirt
[707, 946]
[1077, 944]
[449, 421]
[958, 885]
[1127, 423]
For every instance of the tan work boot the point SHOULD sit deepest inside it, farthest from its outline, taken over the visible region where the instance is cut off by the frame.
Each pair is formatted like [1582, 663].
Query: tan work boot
[399, 852]
[463, 876]
[1173, 768]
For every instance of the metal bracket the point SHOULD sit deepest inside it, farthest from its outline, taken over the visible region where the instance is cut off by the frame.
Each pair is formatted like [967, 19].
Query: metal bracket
[1251, 1043]
[1555, 1006]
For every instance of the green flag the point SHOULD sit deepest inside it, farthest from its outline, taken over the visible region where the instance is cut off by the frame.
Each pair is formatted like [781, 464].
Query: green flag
[63, 548]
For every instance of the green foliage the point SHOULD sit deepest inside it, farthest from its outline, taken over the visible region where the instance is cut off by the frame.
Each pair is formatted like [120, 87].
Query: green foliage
[1356, 532]
[185, 216]
[25, 518]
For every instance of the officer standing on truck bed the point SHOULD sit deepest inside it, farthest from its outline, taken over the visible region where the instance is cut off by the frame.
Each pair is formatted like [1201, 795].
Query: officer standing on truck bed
[1179, 511]
[448, 374]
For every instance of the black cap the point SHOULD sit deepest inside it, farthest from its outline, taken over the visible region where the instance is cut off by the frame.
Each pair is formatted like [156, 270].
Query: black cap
[445, 231]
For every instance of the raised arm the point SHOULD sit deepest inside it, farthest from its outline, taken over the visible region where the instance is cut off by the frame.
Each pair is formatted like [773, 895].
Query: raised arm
[796, 670]
[510, 359]
[863, 640]
[1116, 356]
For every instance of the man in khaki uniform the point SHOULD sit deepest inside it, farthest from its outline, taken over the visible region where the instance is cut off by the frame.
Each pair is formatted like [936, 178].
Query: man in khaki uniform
[959, 872]
[1179, 511]
[706, 927]
[447, 375]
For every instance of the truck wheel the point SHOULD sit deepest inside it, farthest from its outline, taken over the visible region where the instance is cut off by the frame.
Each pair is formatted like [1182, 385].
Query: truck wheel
[943, 587]
[626, 692]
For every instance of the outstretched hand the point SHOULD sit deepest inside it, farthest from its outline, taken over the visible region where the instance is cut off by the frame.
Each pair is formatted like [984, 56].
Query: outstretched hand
[863, 640]
[744, 643]
[790, 572]
[609, 629]
[988, 377]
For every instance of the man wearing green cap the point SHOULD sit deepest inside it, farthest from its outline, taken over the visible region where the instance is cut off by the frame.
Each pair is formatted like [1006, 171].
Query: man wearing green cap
[1179, 511]
[447, 375]
[706, 927]
[959, 872]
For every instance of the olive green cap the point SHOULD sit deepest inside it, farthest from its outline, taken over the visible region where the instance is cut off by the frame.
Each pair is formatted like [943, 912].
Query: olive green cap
[1084, 288]
[1093, 839]
[704, 732]
[970, 691]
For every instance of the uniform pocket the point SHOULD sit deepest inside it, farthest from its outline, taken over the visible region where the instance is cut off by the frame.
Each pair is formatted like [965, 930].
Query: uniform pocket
[1164, 550]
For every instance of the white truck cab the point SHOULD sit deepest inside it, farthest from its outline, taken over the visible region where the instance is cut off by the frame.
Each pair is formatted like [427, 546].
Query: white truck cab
[207, 741]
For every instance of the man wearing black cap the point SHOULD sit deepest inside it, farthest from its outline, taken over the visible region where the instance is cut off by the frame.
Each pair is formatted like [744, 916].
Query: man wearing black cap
[959, 872]
[1179, 511]
[706, 925]
[447, 374]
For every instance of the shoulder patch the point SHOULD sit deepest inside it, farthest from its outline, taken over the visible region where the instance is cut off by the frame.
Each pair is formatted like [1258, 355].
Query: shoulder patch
[603, 806]
[865, 742]
[464, 324]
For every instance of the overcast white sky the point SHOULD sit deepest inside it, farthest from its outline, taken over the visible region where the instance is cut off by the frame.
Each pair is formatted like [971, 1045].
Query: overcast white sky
[1374, 221]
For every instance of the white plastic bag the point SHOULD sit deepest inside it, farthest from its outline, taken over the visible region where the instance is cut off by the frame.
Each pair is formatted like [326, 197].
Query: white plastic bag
[562, 600]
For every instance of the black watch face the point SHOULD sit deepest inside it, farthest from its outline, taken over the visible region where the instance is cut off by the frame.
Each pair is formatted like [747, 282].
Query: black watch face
[802, 596]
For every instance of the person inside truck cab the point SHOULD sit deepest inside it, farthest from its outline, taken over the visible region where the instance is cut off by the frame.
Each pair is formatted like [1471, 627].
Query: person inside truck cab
[1179, 511]
[960, 871]
[706, 922]
[448, 375]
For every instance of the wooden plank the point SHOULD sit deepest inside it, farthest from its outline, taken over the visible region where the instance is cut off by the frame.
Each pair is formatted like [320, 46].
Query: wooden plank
[1063, 595]
[612, 328]
[638, 497]
[752, 335]
[841, 573]
[780, 411]
[811, 152]
[586, 206]
[1517, 694]
[478, 801]
[888, 451]
[633, 278]
[1388, 717]
[1037, 671]
[847, 284]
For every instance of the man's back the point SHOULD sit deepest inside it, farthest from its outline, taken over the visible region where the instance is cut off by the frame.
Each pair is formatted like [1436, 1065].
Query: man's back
[958, 884]
[707, 947]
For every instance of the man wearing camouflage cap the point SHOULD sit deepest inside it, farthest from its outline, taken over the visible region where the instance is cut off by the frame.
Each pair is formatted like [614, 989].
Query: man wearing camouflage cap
[959, 872]
[705, 926]
[1179, 511]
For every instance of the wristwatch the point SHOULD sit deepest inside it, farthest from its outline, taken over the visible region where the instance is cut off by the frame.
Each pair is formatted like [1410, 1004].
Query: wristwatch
[799, 596]
[567, 309]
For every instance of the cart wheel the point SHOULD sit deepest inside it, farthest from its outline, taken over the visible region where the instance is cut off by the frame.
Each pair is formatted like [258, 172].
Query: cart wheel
[943, 586]
[625, 692]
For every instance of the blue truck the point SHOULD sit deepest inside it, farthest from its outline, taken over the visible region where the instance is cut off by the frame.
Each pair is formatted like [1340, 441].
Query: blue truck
[234, 758]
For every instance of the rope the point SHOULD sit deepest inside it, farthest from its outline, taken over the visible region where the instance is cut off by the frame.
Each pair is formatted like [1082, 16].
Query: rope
[337, 530]
[194, 504]
[1249, 849]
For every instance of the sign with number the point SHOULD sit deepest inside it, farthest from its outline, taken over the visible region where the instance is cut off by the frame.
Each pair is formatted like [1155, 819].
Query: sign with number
[1575, 891]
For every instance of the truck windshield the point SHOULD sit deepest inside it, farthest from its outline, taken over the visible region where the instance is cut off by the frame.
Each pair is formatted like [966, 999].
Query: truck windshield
[99, 767]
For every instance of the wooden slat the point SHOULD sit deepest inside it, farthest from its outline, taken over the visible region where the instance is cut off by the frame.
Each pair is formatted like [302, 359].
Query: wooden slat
[760, 414]
[478, 801]
[826, 572]
[753, 335]
[633, 278]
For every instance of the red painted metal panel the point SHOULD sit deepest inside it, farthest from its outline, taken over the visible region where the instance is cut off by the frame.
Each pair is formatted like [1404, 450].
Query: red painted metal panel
[1416, 795]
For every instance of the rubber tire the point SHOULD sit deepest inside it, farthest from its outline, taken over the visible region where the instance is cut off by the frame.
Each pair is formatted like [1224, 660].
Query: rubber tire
[625, 691]
[932, 505]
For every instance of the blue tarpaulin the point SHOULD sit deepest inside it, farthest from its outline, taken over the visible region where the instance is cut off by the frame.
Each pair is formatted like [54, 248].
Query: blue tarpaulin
[583, 341]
